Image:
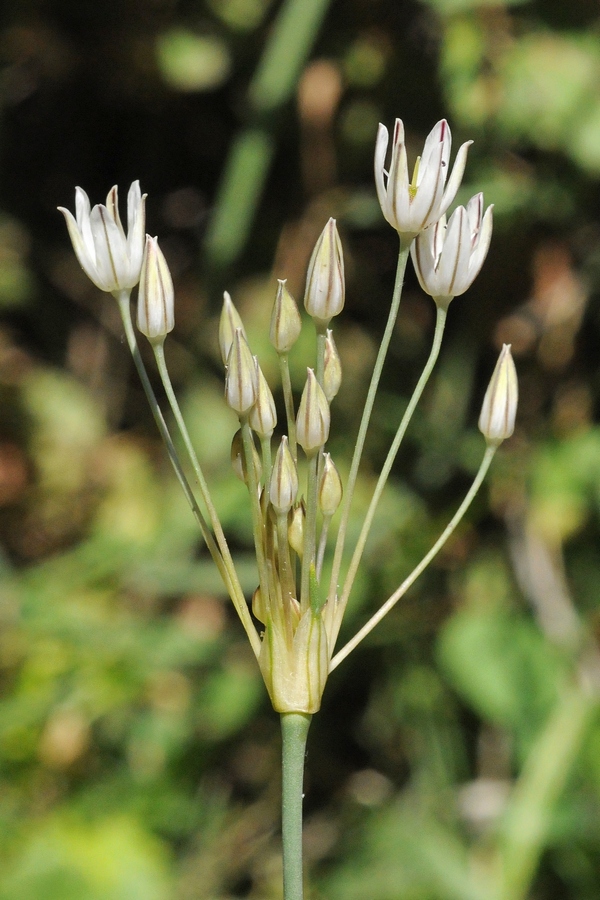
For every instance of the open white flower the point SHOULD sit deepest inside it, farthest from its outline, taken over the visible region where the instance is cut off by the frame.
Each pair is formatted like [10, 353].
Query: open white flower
[410, 206]
[447, 257]
[109, 257]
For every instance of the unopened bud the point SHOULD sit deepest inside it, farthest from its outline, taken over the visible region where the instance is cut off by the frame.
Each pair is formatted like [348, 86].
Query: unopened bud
[284, 480]
[263, 417]
[155, 315]
[497, 419]
[286, 323]
[325, 286]
[296, 530]
[330, 488]
[332, 372]
[229, 322]
[238, 459]
[240, 381]
[313, 420]
[259, 610]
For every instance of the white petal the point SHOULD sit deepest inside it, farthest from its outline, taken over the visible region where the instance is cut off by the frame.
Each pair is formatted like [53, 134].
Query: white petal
[456, 177]
[112, 266]
[381, 145]
[81, 251]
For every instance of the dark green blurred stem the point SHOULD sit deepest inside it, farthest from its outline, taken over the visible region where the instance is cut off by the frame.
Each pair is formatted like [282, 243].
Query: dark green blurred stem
[530, 811]
[291, 40]
[294, 731]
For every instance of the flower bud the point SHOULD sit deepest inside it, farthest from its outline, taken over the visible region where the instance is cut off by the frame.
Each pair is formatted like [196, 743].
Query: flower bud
[259, 610]
[240, 381]
[229, 322]
[325, 286]
[238, 459]
[286, 323]
[155, 314]
[332, 372]
[263, 417]
[296, 530]
[313, 419]
[497, 419]
[330, 487]
[284, 480]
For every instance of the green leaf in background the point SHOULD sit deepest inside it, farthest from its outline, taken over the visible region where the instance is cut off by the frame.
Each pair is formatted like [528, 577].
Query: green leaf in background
[66, 859]
[192, 62]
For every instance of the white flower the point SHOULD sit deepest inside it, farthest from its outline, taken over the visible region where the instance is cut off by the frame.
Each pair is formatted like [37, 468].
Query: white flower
[109, 257]
[497, 419]
[155, 312]
[448, 257]
[411, 206]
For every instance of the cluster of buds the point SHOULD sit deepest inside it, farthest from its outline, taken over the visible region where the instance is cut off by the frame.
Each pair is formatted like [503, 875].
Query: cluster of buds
[294, 496]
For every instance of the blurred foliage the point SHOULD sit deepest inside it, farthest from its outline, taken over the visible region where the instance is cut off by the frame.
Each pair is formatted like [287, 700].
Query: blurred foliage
[457, 753]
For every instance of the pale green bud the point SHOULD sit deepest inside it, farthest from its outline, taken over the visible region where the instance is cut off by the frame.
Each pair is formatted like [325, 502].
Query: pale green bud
[332, 372]
[497, 419]
[313, 419]
[286, 323]
[155, 308]
[296, 530]
[240, 381]
[238, 459]
[325, 285]
[284, 480]
[229, 322]
[259, 610]
[263, 417]
[330, 487]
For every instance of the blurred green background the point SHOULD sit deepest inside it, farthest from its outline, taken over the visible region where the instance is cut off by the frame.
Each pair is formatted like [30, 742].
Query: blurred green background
[457, 754]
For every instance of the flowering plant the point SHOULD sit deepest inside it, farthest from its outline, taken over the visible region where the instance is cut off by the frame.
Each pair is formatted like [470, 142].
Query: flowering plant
[300, 615]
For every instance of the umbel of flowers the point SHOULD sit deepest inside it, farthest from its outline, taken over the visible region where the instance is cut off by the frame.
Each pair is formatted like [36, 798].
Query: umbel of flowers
[295, 616]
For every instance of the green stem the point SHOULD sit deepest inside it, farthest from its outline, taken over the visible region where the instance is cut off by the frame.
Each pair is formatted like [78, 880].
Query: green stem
[387, 466]
[258, 526]
[310, 531]
[237, 594]
[288, 398]
[408, 582]
[366, 417]
[124, 307]
[294, 731]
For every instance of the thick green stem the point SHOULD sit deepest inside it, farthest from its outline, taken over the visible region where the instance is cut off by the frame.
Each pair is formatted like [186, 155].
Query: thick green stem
[294, 731]
[408, 582]
[366, 417]
[387, 466]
